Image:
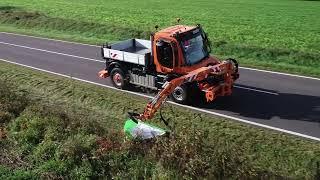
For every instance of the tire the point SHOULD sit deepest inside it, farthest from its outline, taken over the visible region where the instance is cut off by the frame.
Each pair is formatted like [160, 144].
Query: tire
[236, 65]
[235, 62]
[118, 78]
[180, 94]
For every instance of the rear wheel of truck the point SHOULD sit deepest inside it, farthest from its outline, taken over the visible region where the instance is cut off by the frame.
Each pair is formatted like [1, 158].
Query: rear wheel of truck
[118, 78]
[180, 94]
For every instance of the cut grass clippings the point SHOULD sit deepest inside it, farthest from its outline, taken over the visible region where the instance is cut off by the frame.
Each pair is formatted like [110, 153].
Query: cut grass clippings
[56, 127]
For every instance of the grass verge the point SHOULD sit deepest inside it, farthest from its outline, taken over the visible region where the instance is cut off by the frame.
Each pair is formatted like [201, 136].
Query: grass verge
[16, 19]
[53, 127]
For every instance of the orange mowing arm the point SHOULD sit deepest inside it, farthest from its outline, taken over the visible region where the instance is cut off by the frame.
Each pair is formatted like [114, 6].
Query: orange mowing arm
[196, 75]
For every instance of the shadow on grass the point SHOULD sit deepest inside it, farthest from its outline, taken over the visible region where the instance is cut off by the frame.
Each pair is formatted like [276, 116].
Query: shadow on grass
[8, 8]
[33, 19]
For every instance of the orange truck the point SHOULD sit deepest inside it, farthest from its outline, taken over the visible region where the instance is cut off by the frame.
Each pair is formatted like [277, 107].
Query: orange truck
[176, 62]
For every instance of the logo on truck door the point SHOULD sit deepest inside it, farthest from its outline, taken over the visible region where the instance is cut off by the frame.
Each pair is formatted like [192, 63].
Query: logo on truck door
[113, 55]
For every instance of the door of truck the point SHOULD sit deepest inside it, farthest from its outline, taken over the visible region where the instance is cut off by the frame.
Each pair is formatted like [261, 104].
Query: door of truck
[166, 54]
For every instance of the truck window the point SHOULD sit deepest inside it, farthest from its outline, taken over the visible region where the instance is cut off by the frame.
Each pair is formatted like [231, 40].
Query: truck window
[165, 55]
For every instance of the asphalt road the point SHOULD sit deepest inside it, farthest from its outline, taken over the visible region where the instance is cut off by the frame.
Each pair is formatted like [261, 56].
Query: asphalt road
[281, 101]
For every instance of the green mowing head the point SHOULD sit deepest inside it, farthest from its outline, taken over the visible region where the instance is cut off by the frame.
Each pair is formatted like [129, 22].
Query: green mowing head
[136, 129]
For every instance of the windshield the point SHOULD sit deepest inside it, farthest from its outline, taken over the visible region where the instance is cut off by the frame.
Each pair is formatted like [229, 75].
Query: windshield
[194, 49]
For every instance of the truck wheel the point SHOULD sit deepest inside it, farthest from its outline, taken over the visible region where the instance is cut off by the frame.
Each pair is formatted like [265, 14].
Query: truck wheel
[180, 94]
[118, 78]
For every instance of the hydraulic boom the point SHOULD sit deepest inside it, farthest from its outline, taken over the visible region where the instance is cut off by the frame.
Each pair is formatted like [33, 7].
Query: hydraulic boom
[228, 69]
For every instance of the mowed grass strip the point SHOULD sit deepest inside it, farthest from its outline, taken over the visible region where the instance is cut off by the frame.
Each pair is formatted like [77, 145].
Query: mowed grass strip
[71, 121]
[278, 35]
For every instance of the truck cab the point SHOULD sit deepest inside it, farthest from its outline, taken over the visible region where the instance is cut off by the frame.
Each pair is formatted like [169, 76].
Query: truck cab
[170, 53]
[181, 49]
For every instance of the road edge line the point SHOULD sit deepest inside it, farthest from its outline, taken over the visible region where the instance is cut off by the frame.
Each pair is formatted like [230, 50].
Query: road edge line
[84, 44]
[50, 39]
[280, 73]
[52, 52]
[181, 105]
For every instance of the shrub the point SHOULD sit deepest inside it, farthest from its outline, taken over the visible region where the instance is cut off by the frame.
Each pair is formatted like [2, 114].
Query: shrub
[189, 153]
[12, 102]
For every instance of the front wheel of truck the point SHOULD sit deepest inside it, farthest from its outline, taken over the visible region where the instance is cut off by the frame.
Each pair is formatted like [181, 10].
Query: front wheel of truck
[180, 94]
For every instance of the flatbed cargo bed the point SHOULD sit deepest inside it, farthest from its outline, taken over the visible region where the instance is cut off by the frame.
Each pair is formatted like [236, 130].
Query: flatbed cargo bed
[136, 51]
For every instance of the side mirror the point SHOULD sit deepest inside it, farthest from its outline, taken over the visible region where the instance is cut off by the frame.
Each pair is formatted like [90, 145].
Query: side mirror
[207, 41]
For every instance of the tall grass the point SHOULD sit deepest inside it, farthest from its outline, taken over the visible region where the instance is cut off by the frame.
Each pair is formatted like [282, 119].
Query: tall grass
[52, 141]
[61, 128]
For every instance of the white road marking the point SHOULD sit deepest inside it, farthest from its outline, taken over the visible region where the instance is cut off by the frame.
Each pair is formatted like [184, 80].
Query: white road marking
[52, 52]
[63, 54]
[189, 107]
[252, 69]
[280, 73]
[257, 90]
[49, 39]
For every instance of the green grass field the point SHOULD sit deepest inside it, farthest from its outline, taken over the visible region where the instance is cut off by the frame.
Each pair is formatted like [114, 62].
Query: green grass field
[53, 127]
[282, 35]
